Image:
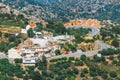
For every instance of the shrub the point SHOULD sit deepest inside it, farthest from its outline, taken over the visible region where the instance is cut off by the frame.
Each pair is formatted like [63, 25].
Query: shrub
[79, 63]
[18, 60]
[113, 74]
[83, 57]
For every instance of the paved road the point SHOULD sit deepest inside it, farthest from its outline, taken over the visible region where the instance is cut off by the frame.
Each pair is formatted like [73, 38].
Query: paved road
[79, 53]
[94, 31]
[102, 45]
[88, 53]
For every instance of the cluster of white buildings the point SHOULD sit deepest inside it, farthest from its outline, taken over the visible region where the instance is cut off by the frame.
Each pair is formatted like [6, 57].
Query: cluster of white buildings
[43, 43]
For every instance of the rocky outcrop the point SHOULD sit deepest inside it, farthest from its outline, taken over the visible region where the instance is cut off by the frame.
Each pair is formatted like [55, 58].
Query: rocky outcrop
[83, 22]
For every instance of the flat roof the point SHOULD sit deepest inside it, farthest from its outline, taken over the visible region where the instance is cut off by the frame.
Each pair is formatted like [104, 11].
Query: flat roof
[29, 61]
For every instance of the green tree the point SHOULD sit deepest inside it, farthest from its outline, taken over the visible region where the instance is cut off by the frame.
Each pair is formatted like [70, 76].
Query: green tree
[95, 78]
[98, 59]
[85, 70]
[114, 62]
[78, 38]
[39, 27]
[59, 28]
[37, 76]
[6, 35]
[18, 60]
[19, 74]
[51, 74]
[44, 73]
[60, 77]
[82, 74]
[75, 71]
[111, 57]
[83, 57]
[56, 27]
[73, 47]
[109, 79]
[44, 61]
[93, 74]
[104, 76]
[2, 77]
[109, 51]
[12, 38]
[79, 63]
[20, 16]
[113, 74]
[57, 52]
[0, 34]
[117, 78]
[30, 69]
[30, 33]
[71, 78]
[9, 69]
[116, 43]
[2, 46]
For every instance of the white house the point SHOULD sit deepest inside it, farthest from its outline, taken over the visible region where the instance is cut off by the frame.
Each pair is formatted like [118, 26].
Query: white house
[13, 53]
[32, 25]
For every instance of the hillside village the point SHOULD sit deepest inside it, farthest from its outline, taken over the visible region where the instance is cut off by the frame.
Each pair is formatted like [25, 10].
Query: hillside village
[43, 43]
[59, 40]
[44, 51]
[70, 47]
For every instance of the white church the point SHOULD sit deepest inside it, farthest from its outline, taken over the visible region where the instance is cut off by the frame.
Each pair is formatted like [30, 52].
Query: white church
[32, 25]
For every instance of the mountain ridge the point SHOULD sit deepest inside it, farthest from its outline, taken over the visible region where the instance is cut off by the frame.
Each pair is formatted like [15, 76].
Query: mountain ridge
[68, 9]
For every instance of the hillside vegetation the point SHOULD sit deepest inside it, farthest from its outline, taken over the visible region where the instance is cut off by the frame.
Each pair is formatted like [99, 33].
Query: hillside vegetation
[68, 9]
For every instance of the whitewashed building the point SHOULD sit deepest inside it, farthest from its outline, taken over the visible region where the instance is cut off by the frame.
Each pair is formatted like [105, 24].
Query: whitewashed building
[33, 48]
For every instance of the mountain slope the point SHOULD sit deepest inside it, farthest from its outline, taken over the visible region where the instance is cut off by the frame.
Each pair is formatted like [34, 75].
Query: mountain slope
[68, 9]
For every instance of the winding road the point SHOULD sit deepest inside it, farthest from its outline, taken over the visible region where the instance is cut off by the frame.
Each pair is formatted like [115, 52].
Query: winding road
[94, 31]
[88, 53]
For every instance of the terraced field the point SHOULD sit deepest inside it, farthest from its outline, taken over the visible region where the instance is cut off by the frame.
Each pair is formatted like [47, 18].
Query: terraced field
[10, 30]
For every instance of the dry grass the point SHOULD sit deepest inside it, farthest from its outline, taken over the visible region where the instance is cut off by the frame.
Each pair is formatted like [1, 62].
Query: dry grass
[111, 68]
[10, 29]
